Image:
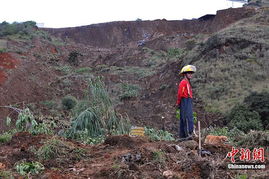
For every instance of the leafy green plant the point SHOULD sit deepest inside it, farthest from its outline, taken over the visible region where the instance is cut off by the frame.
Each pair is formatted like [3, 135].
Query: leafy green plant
[175, 52]
[156, 135]
[244, 119]
[69, 102]
[234, 135]
[85, 138]
[129, 91]
[241, 176]
[99, 118]
[29, 168]
[218, 131]
[55, 148]
[7, 136]
[6, 174]
[87, 121]
[42, 128]
[159, 156]
[25, 120]
[51, 149]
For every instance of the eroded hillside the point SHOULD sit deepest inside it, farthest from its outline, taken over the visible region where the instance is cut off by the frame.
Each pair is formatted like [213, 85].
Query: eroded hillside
[139, 63]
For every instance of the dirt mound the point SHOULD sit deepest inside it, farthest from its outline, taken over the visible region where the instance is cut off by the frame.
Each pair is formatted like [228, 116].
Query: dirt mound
[24, 140]
[118, 157]
[125, 141]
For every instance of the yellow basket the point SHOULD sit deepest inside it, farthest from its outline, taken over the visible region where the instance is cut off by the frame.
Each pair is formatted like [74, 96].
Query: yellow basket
[137, 131]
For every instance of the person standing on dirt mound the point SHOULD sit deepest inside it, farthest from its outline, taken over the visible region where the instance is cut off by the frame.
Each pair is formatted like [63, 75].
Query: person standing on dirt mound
[184, 103]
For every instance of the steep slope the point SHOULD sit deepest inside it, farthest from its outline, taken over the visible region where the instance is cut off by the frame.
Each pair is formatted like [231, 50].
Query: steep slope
[142, 80]
[122, 33]
[233, 62]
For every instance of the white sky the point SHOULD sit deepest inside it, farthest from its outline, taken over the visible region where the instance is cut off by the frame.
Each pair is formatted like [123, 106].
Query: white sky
[70, 13]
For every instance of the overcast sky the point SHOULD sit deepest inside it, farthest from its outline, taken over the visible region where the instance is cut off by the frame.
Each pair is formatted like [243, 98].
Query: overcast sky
[70, 13]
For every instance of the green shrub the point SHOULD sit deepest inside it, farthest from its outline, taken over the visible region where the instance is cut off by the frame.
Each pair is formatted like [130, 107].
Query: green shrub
[22, 29]
[157, 135]
[51, 149]
[175, 52]
[5, 174]
[55, 148]
[27, 122]
[69, 102]
[84, 137]
[259, 102]
[219, 131]
[255, 139]
[233, 134]
[129, 91]
[87, 121]
[244, 119]
[159, 156]
[29, 168]
[73, 58]
[7, 136]
[97, 117]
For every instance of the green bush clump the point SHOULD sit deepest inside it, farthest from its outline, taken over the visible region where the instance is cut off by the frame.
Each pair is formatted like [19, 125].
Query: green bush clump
[22, 29]
[96, 118]
[175, 52]
[129, 91]
[259, 102]
[6, 136]
[6, 174]
[69, 102]
[233, 134]
[73, 58]
[242, 118]
[159, 156]
[56, 148]
[255, 139]
[28, 168]
[157, 135]
[26, 122]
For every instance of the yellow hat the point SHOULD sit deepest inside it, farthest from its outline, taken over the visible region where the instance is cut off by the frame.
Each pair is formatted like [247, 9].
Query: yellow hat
[188, 68]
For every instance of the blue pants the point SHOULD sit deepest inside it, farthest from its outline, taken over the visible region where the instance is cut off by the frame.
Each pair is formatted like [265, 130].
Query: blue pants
[186, 118]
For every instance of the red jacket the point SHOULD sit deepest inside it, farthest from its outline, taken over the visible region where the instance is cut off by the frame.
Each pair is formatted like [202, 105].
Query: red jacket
[184, 90]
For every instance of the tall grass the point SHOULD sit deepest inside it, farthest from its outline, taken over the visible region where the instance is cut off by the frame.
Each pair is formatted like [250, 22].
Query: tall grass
[100, 117]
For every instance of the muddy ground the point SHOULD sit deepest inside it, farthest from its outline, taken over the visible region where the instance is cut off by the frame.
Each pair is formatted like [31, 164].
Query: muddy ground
[122, 157]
